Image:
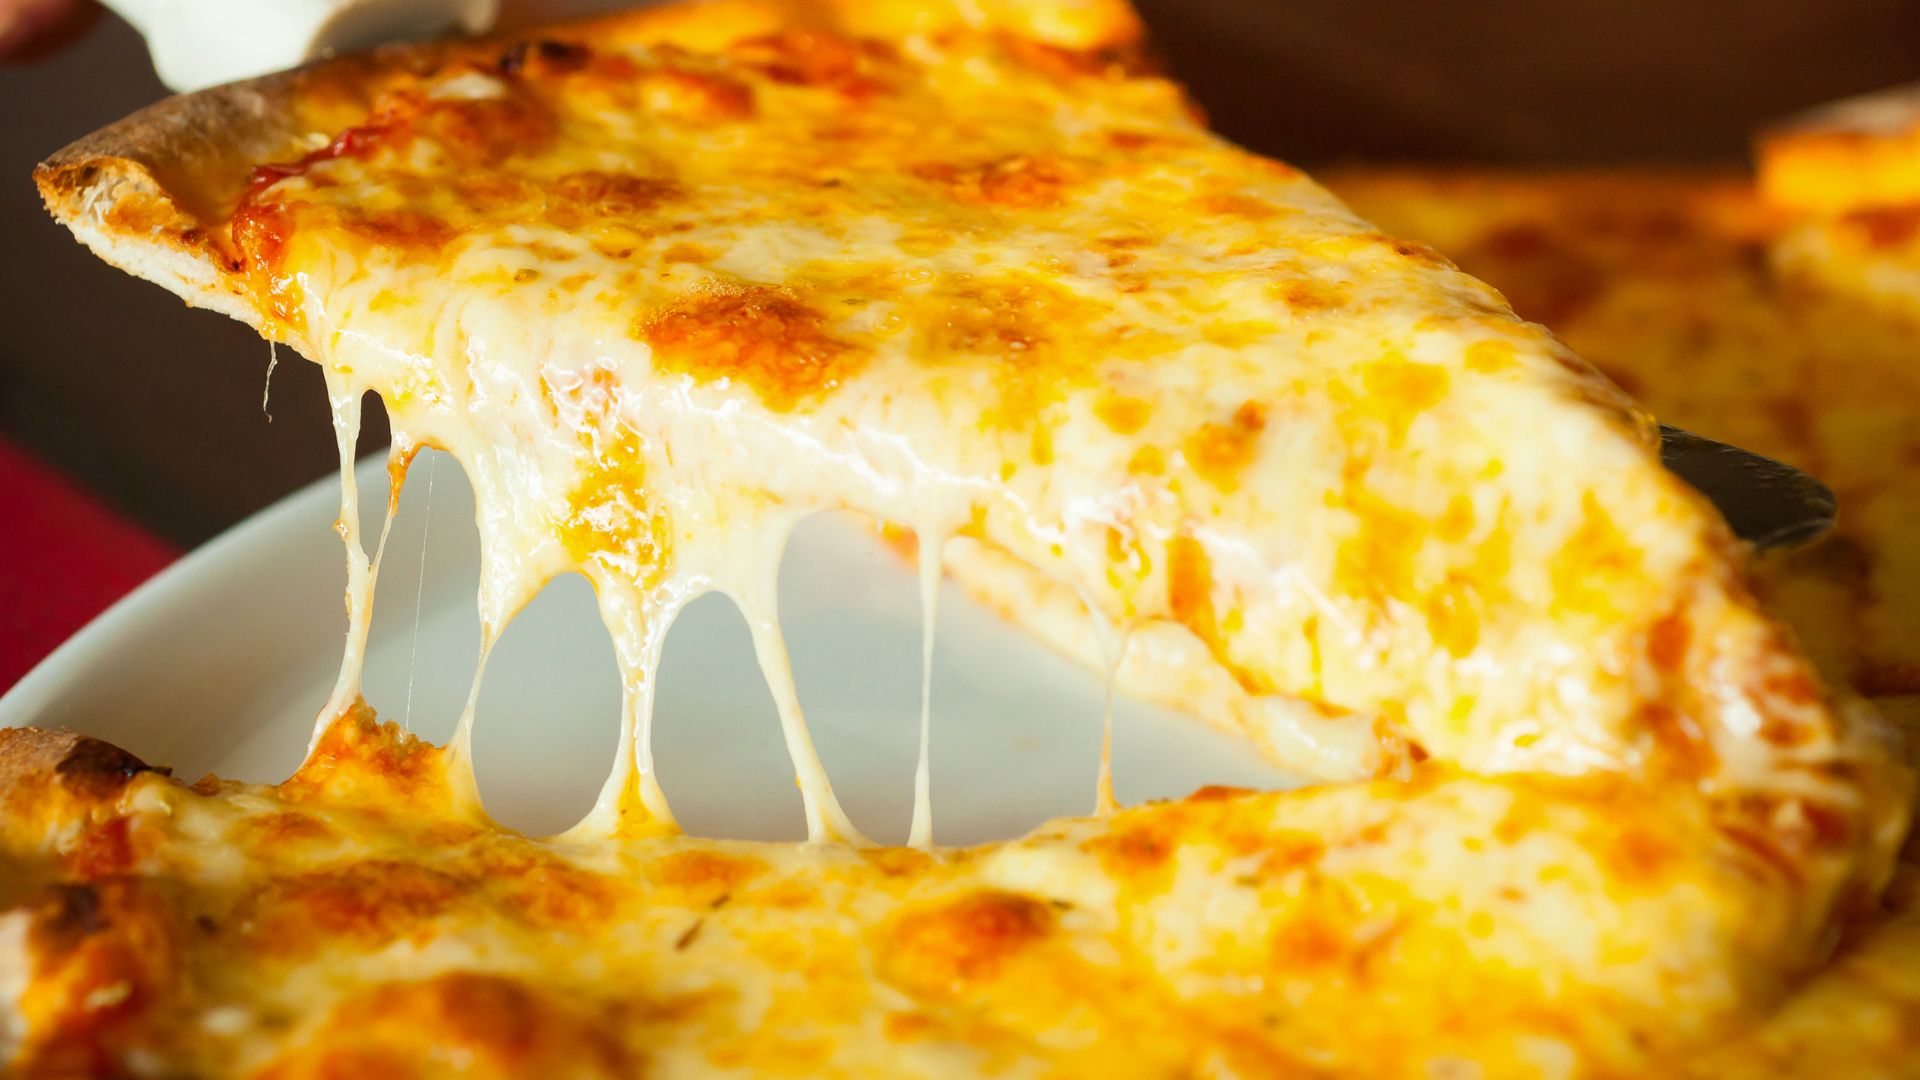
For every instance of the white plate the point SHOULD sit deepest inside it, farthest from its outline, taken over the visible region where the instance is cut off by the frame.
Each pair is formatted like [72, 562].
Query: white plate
[219, 664]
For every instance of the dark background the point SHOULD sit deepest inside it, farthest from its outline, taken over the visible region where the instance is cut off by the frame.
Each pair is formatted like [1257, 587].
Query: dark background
[158, 409]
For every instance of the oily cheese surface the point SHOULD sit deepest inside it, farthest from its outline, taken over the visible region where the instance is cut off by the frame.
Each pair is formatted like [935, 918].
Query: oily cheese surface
[663, 285]
[1689, 291]
[1748, 320]
[978, 283]
[354, 921]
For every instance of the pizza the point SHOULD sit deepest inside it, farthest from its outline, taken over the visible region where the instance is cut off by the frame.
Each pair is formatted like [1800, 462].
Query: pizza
[1855, 166]
[1857, 155]
[1692, 293]
[667, 282]
[1700, 294]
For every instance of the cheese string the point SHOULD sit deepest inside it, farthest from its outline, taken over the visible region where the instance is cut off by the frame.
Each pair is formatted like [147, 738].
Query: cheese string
[345, 400]
[463, 782]
[638, 701]
[639, 698]
[419, 592]
[931, 544]
[1113, 650]
[634, 777]
[631, 800]
[757, 597]
[266, 392]
[1104, 801]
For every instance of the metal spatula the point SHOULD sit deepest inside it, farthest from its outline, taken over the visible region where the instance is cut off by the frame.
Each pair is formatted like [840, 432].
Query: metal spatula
[1769, 504]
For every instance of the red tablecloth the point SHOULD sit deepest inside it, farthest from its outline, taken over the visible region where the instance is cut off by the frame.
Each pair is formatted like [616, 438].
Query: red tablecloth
[64, 556]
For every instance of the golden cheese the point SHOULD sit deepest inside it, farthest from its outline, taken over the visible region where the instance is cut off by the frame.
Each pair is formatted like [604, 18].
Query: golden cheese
[1679, 289]
[860, 267]
[1862, 153]
[356, 921]
[663, 284]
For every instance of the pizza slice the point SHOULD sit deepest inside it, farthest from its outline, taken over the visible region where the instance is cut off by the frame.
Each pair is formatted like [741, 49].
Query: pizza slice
[663, 283]
[1657, 279]
[1860, 153]
[361, 919]
[1728, 312]
[1853, 171]
[667, 282]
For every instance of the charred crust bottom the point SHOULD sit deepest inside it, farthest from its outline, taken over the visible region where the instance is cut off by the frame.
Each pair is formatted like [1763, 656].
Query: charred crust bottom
[84, 765]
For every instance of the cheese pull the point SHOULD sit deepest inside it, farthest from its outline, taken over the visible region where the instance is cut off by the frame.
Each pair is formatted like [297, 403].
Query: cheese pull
[201, 43]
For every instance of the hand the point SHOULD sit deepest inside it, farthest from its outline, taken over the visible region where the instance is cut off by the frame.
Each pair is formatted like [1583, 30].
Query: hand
[31, 29]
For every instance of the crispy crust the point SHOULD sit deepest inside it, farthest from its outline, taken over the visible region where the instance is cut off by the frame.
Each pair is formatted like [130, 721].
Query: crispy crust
[141, 193]
[32, 758]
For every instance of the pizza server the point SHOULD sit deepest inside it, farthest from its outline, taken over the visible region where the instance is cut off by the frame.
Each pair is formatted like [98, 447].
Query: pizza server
[201, 43]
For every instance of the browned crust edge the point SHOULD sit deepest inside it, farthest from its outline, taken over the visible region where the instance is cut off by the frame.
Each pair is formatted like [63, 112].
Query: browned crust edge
[194, 133]
[85, 766]
[169, 160]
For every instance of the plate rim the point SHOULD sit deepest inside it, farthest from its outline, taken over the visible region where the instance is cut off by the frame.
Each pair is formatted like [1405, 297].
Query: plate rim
[133, 614]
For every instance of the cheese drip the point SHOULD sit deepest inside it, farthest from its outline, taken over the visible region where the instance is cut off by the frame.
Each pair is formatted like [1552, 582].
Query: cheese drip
[755, 590]
[741, 561]
[462, 781]
[708, 541]
[631, 801]
[1113, 651]
[931, 545]
[344, 400]
[420, 573]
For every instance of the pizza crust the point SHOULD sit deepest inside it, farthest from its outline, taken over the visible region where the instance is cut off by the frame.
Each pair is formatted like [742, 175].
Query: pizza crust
[90, 185]
[32, 757]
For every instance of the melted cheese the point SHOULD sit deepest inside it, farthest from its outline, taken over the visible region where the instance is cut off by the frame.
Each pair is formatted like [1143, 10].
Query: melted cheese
[1862, 153]
[920, 828]
[1691, 291]
[356, 920]
[661, 301]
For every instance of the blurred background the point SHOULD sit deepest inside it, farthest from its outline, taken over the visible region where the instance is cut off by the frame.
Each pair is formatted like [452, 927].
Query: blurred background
[114, 388]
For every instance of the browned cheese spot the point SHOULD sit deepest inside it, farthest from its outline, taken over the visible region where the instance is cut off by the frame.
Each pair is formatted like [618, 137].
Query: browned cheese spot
[547, 889]
[1233, 204]
[699, 96]
[104, 955]
[854, 68]
[1221, 452]
[1885, 226]
[406, 232]
[359, 758]
[579, 197]
[766, 338]
[955, 945]
[480, 1025]
[705, 875]
[1015, 181]
[365, 904]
